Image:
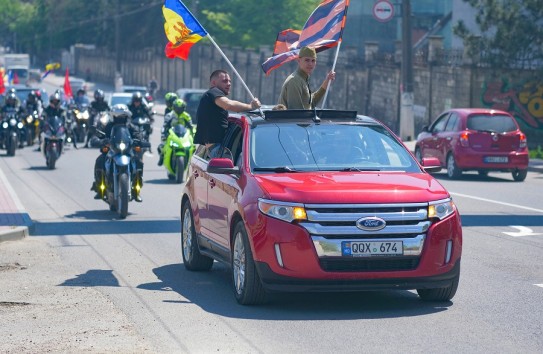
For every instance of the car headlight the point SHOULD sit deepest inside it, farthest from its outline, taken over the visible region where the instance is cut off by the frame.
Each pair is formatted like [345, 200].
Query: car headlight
[441, 209]
[282, 210]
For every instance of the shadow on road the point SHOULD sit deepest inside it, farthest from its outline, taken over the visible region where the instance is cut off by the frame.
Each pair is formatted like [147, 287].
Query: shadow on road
[93, 277]
[63, 228]
[501, 220]
[213, 293]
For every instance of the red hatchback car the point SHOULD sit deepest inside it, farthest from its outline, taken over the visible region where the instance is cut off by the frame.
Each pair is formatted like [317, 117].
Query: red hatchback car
[319, 201]
[475, 139]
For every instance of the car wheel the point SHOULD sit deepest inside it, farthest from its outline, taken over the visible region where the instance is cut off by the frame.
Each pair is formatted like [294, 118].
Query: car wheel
[248, 288]
[418, 155]
[453, 172]
[440, 294]
[519, 175]
[192, 258]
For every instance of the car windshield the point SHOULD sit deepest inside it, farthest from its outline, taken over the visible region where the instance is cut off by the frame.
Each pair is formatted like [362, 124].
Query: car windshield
[327, 147]
[120, 99]
[491, 123]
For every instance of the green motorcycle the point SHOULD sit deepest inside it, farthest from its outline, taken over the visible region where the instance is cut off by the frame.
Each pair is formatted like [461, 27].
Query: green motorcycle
[178, 149]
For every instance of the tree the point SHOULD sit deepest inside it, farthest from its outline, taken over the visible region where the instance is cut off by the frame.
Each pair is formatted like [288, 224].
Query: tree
[512, 33]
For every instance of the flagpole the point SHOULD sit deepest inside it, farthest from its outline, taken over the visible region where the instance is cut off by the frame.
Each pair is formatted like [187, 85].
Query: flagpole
[329, 81]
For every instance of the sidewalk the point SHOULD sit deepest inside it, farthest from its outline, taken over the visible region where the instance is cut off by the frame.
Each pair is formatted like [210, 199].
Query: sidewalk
[14, 221]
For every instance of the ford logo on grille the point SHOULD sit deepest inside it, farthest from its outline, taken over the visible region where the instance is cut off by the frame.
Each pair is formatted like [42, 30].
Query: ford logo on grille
[371, 223]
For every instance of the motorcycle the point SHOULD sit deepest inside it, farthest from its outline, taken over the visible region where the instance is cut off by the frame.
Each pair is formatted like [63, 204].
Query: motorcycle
[178, 149]
[80, 125]
[32, 127]
[143, 124]
[11, 132]
[121, 181]
[54, 135]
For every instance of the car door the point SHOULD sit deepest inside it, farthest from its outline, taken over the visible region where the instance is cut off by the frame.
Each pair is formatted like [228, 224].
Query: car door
[223, 190]
[448, 137]
[432, 144]
[201, 181]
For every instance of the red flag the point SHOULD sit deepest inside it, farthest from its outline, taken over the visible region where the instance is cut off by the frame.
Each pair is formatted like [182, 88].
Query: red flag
[15, 78]
[2, 85]
[67, 88]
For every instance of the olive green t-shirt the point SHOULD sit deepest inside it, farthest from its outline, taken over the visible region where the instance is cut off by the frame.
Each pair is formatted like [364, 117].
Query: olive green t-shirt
[295, 93]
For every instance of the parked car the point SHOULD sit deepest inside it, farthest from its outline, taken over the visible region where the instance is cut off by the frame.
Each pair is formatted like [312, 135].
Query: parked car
[475, 139]
[192, 99]
[319, 201]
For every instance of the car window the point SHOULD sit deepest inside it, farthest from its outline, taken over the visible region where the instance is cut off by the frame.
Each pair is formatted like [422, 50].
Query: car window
[439, 124]
[325, 147]
[452, 123]
[494, 123]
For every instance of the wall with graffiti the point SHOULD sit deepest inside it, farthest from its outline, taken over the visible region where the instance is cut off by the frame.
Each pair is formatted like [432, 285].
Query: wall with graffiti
[523, 100]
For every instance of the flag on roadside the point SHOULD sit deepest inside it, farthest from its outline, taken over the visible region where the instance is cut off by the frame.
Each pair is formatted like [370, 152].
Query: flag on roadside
[67, 87]
[285, 39]
[181, 28]
[323, 30]
[2, 85]
[52, 66]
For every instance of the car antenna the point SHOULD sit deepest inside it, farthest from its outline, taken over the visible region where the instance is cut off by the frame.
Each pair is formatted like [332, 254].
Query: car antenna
[316, 118]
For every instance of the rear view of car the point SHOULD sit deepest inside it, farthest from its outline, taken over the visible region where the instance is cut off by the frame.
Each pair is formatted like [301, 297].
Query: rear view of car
[474, 139]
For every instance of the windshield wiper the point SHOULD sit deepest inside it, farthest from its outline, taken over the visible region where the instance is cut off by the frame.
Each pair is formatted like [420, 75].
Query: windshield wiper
[486, 131]
[276, 169]
[357, 169]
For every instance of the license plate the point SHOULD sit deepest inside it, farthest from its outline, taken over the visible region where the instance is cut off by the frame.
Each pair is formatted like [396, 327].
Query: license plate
[496, 159]
[371, 248]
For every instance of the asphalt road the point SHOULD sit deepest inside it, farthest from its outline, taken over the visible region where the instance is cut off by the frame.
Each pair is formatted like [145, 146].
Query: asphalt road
[87, 281]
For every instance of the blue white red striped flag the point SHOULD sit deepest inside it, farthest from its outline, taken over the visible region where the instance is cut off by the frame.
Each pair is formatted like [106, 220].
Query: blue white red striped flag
[322, 30]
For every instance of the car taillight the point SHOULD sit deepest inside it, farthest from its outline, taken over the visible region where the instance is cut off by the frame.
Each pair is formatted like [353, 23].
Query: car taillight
[464, 139]
[523, 141]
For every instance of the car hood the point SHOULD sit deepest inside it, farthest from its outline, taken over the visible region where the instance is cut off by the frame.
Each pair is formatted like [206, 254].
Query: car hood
[352, 187]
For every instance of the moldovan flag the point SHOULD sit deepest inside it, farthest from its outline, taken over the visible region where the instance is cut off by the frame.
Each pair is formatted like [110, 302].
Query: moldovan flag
[67, 88]
[182, 29]
[322, 30]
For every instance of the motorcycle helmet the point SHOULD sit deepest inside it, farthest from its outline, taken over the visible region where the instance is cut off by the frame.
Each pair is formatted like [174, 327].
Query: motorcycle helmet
[99, 95]
[55, 99]
[80, 92]
[169, 98]
[179, 106]
[120, 113]
[38, 95]
[137, 97]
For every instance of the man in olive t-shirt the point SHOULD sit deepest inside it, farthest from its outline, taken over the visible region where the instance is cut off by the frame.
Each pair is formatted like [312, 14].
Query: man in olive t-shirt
[212, 113]
[295, 93]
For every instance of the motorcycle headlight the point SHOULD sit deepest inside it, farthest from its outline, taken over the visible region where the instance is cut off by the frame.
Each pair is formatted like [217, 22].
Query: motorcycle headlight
[186, 144]
[85, 115]
[121, 146]
[441, 209]
[29, 119]
[282, 211]
[172, 144]
[20, 125]
[13, 122]
[104, 120]
[5, 125]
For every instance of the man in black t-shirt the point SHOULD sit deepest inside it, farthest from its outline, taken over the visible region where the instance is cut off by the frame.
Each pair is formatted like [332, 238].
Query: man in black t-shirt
[212, 113]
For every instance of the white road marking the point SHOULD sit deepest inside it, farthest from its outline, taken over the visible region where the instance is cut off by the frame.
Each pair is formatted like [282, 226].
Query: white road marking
[497, 202]
[522, 231]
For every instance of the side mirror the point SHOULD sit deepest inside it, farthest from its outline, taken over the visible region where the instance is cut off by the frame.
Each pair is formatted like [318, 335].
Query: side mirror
[425, 128]
[222, 166]
[431, 164]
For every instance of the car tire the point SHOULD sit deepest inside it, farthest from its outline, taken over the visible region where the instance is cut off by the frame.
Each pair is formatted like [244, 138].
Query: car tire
[246, 283]
[519, 175]
[453, 172]
[192, 258]
[440, 294]
[418, 155]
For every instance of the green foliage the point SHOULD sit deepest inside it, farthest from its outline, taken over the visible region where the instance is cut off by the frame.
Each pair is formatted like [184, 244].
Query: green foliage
[512, 33]
[537, 153]
[36, 26]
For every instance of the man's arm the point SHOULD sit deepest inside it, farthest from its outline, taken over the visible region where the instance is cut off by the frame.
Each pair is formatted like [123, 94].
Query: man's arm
[236, 106]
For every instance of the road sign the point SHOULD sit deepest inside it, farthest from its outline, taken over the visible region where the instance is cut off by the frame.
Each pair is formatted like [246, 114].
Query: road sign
[383, 10]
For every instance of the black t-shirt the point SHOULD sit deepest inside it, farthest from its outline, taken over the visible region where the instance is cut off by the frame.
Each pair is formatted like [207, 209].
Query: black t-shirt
[212, 119]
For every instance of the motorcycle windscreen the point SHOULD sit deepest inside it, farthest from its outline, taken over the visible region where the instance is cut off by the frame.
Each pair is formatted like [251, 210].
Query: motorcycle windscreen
[120, 133]
[56, 123]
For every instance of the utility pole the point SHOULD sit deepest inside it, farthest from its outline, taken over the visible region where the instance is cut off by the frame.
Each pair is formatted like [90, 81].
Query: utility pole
[117, 37]
[407, 116]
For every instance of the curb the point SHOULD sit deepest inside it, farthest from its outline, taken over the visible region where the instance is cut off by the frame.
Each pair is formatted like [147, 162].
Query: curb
[14, 233]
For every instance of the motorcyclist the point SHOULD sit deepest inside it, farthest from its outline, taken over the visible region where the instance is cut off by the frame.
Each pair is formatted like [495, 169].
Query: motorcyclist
[32, 103]
[11, 104]
[177, 116]
[169, 98]
[137, 108]
[81, 98]
[52, 110]
[121, 115]
[98, 105]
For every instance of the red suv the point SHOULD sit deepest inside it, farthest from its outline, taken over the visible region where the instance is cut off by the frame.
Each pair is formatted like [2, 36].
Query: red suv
[319, 201]
[477, 139]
